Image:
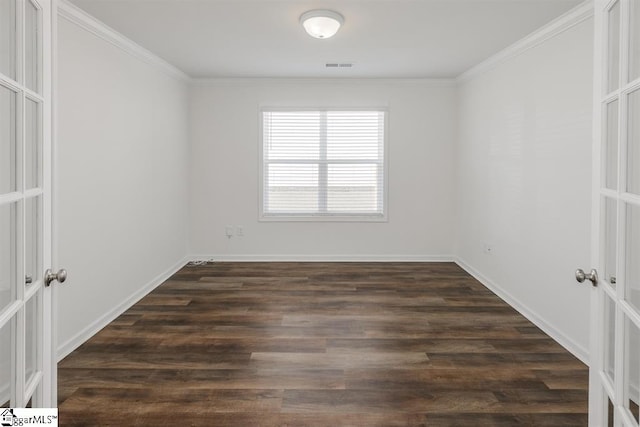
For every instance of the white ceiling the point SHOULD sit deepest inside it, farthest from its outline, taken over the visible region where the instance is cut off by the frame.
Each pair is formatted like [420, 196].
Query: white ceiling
[382, 38]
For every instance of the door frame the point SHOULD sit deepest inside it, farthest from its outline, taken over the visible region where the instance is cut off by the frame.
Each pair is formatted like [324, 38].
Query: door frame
[46, 398]
[601, 388]
[50, 304]
[596, 330]
[31, 148]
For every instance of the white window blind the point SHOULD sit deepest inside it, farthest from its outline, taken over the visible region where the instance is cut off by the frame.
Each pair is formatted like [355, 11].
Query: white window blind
[323, 164]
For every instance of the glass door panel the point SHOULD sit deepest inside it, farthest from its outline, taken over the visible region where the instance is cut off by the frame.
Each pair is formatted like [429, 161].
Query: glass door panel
[634, 46]
[7, 38]
[633, 142]
[610, 412]
[31, 338]
[610, 255]
[8, 259]
[632, 367]
[632, 276]
[6, 368]
[32, 142]
[8, 141]
[611, 145]
[609, 338]
[31, 45]
[613, 48]
[33, 263]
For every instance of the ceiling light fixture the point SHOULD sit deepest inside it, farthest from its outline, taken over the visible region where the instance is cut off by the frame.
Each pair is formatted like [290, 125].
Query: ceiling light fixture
[321, 24]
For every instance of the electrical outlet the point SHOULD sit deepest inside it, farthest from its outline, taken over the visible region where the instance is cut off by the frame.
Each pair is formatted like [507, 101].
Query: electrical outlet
[239, 231]
[228, 231]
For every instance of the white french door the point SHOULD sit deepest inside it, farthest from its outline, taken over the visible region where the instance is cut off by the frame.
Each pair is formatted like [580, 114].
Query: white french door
[27, 362]
[615, 332]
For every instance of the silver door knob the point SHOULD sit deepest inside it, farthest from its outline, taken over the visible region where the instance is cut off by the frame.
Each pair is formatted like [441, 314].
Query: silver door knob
[50, 276]
[592, 276]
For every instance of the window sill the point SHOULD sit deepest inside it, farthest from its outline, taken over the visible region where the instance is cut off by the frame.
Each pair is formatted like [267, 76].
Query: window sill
[322, 218]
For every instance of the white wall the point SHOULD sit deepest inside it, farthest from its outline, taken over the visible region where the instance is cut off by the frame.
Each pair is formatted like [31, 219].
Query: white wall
[122, 179]
[524, 181]
[224, 171]
[148, 165]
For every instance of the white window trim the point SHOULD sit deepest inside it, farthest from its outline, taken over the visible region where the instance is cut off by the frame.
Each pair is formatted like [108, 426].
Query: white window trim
[384, 217]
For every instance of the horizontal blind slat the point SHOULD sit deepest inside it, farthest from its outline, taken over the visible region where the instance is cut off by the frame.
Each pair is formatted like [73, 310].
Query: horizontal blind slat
[323, 163]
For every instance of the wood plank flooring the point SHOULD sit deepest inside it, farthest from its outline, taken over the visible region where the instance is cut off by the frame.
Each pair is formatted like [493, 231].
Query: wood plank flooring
[322, 344]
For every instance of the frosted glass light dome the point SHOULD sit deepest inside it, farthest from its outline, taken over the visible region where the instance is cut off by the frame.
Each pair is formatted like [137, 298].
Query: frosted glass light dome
[321, 24]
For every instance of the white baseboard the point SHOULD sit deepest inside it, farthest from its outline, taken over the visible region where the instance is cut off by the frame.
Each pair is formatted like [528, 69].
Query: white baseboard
[82, 336]
[576, 349]
[74, 342]
[323, 258]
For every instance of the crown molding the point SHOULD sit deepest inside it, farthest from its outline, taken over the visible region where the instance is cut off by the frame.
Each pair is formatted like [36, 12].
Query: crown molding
[561, 24]
[575, 16]
[74, 14]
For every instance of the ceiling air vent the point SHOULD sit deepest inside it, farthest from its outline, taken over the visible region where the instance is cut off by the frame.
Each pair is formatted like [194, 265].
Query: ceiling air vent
[338, 65]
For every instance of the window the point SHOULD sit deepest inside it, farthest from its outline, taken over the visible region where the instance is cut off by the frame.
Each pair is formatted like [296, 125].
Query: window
[323, 164]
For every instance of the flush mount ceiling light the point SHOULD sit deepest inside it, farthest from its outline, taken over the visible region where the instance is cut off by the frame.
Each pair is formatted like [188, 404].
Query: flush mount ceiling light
[321, 24]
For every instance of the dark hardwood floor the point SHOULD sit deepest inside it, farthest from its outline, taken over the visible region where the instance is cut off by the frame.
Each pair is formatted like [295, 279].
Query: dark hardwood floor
[322, 344]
